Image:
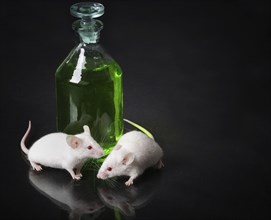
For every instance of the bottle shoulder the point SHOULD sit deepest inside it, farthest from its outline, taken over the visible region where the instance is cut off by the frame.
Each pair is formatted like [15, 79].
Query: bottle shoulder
[88, 64]
[93, 57]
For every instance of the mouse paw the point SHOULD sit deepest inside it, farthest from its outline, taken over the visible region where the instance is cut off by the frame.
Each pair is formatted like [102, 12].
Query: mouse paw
[77, 177]
[129, 182]
[36, 166]
[73, 175]
[78, 174]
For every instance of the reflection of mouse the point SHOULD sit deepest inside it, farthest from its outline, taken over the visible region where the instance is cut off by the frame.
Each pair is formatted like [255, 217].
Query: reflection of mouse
[128, 199]
[115, 198]
[133, 153]
[77, 198]
[59, 150]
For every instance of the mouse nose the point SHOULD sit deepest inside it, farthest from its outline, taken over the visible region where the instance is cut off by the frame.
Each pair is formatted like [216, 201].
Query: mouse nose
[100, 175]
[101, 153]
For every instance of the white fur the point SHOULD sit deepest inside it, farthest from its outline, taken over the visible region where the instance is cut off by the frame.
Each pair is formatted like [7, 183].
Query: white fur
[140, 151]
[53, 150]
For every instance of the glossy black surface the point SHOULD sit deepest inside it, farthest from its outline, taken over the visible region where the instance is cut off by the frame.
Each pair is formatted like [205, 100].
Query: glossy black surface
[196, 74]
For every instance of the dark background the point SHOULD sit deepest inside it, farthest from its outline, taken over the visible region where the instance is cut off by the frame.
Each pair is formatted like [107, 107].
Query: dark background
[196, 74]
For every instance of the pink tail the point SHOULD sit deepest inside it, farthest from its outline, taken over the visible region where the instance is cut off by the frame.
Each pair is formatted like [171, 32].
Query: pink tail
[23, 147]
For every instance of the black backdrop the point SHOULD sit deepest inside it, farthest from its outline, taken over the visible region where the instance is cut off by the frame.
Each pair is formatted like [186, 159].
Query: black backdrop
[196, 74]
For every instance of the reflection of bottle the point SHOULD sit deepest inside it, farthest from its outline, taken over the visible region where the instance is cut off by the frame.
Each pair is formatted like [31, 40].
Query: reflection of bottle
[89, 82]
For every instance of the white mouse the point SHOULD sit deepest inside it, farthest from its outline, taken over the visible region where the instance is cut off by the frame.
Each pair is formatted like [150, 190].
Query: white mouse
[60, 150]
[133, 153]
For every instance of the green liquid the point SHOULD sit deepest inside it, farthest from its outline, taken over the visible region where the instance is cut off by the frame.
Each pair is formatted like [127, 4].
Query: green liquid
[96, 100]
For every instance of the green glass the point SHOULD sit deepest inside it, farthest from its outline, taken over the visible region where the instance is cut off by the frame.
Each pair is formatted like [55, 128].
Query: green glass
[89, 83]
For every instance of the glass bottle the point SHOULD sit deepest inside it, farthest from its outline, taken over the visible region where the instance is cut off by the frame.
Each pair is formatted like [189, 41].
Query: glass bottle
[89, 82]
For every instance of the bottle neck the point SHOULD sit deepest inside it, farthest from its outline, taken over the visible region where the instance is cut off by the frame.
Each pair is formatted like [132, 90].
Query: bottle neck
[88, 30]
[88, 37]
[91, 46]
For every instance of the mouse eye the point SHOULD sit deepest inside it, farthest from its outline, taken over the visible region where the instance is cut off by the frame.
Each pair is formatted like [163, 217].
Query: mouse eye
[109, 168]
[89, 147]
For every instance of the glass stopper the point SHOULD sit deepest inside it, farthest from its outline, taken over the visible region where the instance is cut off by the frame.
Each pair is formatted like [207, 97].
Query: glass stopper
[88, 27]
[87, 10]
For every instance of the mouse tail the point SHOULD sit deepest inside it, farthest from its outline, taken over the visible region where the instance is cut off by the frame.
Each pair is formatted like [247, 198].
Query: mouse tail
[23, 147]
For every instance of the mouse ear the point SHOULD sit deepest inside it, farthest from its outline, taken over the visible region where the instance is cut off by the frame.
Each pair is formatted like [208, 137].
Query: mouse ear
[117, 147]
[128, 159]
[86, 129]
[73, 141]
